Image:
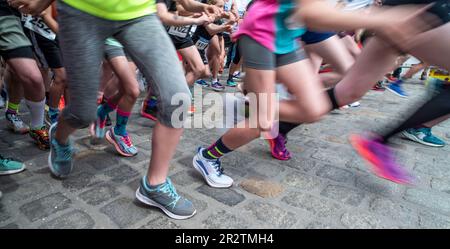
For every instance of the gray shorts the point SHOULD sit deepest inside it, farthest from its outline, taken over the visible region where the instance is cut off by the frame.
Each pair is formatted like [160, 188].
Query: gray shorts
[259, 57]
[112, 51]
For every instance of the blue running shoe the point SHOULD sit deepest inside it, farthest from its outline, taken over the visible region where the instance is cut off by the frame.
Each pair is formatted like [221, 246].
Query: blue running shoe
[202, 83]
[231, 83]
[60, 157]
[423, 136]
[397, 89]
[216, 86]
[165, 197]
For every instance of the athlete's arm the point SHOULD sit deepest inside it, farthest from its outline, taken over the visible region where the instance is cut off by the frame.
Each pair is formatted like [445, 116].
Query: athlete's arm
[214, 28]
[32, 7]
[171, 19]
[194, 6]
[49, 20]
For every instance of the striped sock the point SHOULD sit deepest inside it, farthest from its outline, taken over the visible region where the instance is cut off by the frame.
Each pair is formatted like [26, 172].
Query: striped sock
[216, 151]
[12, 108]
[121, 122]
[152, 101]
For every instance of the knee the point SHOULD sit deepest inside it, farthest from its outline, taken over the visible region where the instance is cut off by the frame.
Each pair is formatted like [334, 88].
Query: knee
[199, 70]
[33, 82]
[133, 93]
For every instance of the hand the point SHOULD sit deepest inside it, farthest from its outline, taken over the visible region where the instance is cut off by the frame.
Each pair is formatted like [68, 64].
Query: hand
[32, 7]
[204, 19]
[228, 28]
[211, 10]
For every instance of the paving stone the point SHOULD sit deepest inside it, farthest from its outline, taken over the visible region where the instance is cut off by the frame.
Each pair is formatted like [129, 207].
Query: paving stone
[186, 177]
[379, 186]
[80, 181]
[299, 163]
[394, 210]
[139, 158]
[431, 199]
[335, 174]
[433, 168]
[10, 226]
[321, 225]
[122, 174]
[301, 181]
[25, 191]
[125, 212]
[343, 194]
[262, 188]
[362, 221]
[15, 179]
[433, 221]
[315, 205]
[224, 220]
[331, 156]
[101, 161]
[45, 206]
[4, 215]
[265, 169]
[228, 197]
[442, 185]
[99, 194]
[76, 219]
[161, 223]
[270, 214]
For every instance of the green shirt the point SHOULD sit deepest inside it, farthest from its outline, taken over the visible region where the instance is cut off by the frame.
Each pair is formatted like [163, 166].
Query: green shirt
[117, 10]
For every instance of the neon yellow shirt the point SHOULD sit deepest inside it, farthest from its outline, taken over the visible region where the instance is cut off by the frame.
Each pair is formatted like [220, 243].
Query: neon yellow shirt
[117, 10]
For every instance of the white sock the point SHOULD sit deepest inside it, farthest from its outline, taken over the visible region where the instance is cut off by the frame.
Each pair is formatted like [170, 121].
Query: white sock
[37, 110]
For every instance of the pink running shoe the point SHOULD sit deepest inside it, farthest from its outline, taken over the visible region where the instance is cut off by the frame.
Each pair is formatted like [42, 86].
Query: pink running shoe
[278, 148]
[381, 159]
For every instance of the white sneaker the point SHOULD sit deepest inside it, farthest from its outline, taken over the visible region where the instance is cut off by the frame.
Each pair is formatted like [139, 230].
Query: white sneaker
[15, 123]
[211, 171]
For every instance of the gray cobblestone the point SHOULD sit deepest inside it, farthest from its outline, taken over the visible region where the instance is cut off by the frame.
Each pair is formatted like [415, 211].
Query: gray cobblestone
[362, 221]
[45, 206]
[122, 174]
[270, 214]
[125, 212]
[315, 205]
[73, 220]
[431, 199]
[160, 223]
[99, 194]
[302, 181]
[224, 220]
[228, 197]
[335, 174]
[343, 194]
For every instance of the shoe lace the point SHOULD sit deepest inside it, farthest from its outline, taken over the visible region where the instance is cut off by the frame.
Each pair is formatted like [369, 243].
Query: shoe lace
[427, 131]
[217, 167]
[15, 118]
[281, 142]
[169, 189]
[64, 152]
[126, 139]
[5, 160]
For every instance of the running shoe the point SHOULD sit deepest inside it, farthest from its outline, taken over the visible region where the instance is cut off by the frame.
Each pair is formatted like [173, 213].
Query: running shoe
[123, 144]
[216, 86]
[381, 159]
[10, 166]
[60, 159]
[231, 83]
[40, 136]
[202, 83]
[423, 136]
[391, 78]
[238, 75]
[98, 128]
[165, 197]
[15, 123]
[51, 118]
[278, 148]
[108, 120]
[148, 112]
[352, 105]
[211, 170]
[397, 89]
[2, 103]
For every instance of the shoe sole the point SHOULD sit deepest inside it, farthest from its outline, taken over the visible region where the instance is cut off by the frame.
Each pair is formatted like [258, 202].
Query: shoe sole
[114, 143]
[50, 165]
[355, 141]
[22, 132]
[11, 172]
[208, 181]
[415, 139]
[142, 198]
[396, 93]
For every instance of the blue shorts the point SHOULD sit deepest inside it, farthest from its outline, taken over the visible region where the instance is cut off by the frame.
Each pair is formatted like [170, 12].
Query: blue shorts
[311, 37]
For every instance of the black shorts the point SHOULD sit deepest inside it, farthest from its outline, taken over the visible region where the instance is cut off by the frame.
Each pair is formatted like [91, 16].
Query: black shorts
[180, 42]
[202, 53]
[47, 51]
[311, 37]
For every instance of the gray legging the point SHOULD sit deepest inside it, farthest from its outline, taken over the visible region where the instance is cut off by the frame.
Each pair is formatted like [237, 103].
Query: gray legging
[82, 38]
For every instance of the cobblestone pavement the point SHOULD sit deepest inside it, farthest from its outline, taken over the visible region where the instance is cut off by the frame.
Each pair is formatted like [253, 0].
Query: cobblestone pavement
[324, 185]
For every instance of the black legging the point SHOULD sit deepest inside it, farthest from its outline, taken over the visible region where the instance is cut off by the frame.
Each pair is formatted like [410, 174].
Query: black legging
[438, 106]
